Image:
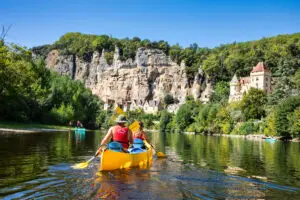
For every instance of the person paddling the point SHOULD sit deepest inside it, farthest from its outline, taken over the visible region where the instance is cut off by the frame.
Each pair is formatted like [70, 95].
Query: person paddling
[140, 133]
[119, 133]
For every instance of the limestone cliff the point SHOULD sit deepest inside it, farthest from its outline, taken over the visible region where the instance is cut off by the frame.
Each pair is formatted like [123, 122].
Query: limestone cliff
[150, 76]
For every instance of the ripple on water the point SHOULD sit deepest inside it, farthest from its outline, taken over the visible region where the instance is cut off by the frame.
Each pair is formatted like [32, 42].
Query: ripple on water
[30, 189]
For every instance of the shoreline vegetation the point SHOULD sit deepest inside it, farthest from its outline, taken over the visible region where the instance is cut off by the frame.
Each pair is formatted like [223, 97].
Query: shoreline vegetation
[16, 127]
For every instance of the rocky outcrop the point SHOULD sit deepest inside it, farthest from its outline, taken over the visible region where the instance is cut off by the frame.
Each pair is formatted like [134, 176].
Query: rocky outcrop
[150, 76]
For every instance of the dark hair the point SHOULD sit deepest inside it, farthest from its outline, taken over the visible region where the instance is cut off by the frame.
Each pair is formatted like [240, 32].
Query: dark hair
[141, 124]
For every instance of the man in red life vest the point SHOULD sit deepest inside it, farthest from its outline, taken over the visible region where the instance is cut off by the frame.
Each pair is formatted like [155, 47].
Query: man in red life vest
[118, 133]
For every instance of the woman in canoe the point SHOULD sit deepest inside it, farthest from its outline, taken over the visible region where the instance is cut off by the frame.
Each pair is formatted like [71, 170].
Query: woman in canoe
[140, 133]
[118, 133]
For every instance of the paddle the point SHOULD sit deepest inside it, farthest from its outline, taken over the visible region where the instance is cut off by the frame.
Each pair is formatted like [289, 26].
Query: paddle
[158, 154]
[83, 164]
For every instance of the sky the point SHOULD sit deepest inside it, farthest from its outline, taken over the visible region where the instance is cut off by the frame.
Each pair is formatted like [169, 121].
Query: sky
[208, 23]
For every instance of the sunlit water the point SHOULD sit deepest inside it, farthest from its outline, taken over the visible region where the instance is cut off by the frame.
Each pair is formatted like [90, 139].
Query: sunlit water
[38, 166]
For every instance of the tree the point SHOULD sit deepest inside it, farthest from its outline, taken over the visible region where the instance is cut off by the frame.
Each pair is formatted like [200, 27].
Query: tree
[252, 104]
[294, 122]
[168, 99]
[221, 92]
[165, 118]
[282, 111]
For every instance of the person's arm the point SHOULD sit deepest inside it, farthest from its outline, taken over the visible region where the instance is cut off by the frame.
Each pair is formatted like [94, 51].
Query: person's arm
[130, 136]
[105, 140]
[144, 136]
[108, 136]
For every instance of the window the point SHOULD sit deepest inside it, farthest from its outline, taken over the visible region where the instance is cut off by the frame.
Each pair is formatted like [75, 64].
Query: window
[256, 85]
[256, 78]
[267, 79]
[266, 84]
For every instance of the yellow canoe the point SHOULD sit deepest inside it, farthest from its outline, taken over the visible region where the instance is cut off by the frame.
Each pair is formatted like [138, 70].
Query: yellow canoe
[111, 160]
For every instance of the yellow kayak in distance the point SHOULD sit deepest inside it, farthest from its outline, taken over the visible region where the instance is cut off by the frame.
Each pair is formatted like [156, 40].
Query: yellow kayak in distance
[112, 160]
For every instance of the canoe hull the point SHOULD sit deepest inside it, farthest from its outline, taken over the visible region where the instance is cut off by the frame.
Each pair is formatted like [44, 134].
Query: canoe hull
[111, 160]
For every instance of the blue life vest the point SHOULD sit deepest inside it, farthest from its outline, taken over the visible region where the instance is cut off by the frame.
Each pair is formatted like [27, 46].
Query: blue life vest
[115, 146]
[138, 143]
[136, 150]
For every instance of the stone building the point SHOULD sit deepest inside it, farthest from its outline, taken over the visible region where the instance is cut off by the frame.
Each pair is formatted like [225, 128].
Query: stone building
[260, 78]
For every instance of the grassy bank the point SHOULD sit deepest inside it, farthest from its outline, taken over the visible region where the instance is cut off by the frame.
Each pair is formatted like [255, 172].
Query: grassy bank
[16, 125]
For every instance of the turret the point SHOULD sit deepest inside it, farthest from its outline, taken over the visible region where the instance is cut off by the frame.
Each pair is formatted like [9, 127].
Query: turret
[235, 86]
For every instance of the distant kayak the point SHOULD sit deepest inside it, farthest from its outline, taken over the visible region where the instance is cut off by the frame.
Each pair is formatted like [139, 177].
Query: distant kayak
[79, 129]
[270, 139]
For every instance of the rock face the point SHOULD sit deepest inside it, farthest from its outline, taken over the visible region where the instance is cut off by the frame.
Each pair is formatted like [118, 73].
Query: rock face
[149, 77]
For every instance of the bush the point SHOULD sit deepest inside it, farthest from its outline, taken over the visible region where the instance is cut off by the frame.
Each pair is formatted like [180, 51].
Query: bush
[165, 119]
[294, 122]
[168, 99]
[246, 128]
[282, 111]
[252, 104]
[63, 114]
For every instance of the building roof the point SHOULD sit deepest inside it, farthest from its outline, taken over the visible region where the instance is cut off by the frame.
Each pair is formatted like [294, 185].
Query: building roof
[234, 79]
[260, 67]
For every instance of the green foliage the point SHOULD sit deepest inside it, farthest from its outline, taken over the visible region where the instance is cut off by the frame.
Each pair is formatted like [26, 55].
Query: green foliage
[83, 45]
[168, 99]
[282, 89]
[205, 120]
[42, 50]
[296, 79]
[147, 119]
[252, 104]
[183, 117]
[186, 114]
[285, 115]
[224, 120]
[30, 92]
[165, 119]
[294, 122]
[280, 53]
[109, 57]
[270, 129]
[63, 114]
[246, 128]
[221, 93]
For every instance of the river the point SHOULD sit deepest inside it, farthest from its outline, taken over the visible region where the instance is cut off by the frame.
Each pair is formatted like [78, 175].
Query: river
[38, 166]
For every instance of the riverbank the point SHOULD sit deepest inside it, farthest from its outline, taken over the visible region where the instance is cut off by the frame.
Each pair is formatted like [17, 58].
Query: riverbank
[14, 127]
[258, 137]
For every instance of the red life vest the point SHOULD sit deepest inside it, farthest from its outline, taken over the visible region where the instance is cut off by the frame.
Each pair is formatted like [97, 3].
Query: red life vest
[139, 135]
[120, 134]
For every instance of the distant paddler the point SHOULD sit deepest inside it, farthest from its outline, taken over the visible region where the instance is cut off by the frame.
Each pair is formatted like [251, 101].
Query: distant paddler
[118, 133]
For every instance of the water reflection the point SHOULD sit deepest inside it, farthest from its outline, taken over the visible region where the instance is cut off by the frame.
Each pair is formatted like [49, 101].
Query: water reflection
[38, 166]
[79, 137]
[278, 162]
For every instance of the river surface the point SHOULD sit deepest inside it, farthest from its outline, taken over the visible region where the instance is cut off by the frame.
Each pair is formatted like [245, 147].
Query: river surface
[38, 166]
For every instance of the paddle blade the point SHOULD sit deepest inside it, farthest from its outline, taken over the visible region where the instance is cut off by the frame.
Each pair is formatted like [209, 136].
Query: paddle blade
[134, 126]
[160, 155]
[81, 165]
[120, 111]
